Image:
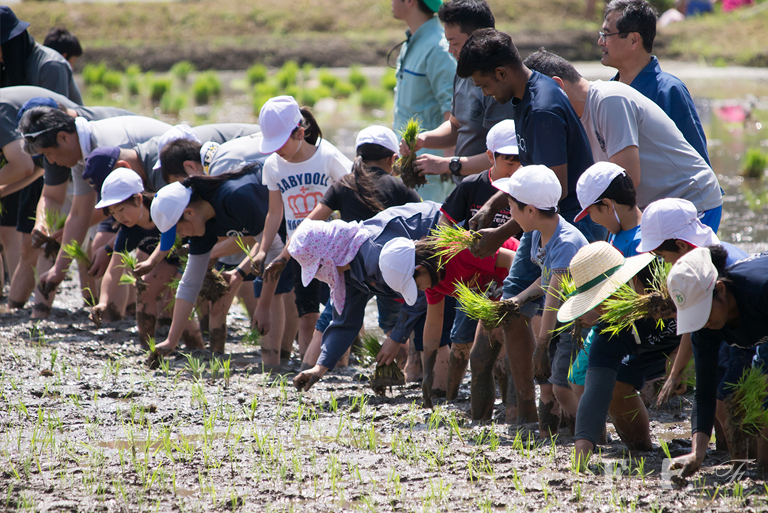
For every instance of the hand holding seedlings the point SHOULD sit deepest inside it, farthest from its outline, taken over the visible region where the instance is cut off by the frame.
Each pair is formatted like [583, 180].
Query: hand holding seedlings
[487, 242]
[272, 271]
[97, 312]
[541, 363]
[405, 148]
[304, 380]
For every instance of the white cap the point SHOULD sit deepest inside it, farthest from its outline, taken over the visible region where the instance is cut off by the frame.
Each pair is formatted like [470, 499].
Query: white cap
[691, 282]
[673, 218]
[377, 134]
[502, 138]
[535, 185]
[278, 118]
[397, 262]
[592, 184]
[120, 184]
[167, 208]
[174, 134]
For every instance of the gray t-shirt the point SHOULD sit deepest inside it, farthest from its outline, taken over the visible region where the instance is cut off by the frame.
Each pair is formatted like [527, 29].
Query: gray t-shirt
[12, 99]
[47, 68]
[555, 256]
[617, 116]
[218, 132]
[236, 153]
[124, 132]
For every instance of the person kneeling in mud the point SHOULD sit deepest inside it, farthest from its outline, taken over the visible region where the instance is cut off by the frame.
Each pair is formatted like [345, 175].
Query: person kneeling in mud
[205, 208]
[534, 192]
[716, 303]
[121, 197]
[409, 267]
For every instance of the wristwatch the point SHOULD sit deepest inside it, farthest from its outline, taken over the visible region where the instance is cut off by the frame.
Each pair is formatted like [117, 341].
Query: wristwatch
[455, 166]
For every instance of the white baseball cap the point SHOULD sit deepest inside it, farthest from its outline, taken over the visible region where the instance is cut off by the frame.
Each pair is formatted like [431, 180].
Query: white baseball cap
[278, 118]
[502, 138]
[120, 184]
[397, 262]
[167, 208]
[174, 134]
[673, 218]
[592, 184]
[377, 134]
[691, 282]
[535, 185]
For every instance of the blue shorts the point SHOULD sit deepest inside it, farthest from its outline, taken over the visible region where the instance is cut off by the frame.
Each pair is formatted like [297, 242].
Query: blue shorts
[284, 283]
[448, 316]
[325, 318]
[712, 217]
[464, 329]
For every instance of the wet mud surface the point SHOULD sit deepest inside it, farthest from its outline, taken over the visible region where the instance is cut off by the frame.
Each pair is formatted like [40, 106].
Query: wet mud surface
[85, 426]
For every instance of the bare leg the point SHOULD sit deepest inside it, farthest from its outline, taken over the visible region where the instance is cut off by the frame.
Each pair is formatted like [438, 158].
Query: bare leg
[457, 368]
[313, 351]
[441, 371]
[291, 329]
[218, 321]
[549, 417]
[146, 311]
[413, 367]
[245, 293]
[630, 418]
[23, 272]
[569, 403]
[42, 308]
[307, 324]
[12, 242]
[482, 387]
[518, 339]
[721, 440]
[270, 343]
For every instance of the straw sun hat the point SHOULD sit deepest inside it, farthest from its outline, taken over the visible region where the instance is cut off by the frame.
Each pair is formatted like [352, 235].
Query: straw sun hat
[598, 270]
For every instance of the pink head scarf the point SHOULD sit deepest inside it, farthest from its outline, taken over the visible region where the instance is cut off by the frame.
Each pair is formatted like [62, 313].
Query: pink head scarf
[320, 247]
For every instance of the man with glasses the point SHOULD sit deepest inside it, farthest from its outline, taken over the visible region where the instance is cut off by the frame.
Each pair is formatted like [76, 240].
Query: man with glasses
[626, 40]
[66, 142]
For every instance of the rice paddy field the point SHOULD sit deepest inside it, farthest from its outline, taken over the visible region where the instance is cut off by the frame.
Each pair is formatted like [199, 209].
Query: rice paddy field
[86, 426]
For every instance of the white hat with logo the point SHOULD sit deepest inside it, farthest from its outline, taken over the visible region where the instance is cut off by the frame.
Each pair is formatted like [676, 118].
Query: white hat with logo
[673, 218]
[691, 283]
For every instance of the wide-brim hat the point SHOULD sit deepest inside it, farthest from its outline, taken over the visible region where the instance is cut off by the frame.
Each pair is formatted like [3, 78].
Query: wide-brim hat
[598, 270]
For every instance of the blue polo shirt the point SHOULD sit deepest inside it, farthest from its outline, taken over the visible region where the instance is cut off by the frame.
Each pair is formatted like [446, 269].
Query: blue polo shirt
[626, 241]
[669, 92]
[551, 134]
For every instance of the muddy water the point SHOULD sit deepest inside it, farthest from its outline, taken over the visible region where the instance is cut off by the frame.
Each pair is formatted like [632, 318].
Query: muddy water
[85, 426]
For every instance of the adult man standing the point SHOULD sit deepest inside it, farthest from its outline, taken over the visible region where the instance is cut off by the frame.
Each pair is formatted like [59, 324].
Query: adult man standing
[626, 40]
[549, 133]
[425, 71]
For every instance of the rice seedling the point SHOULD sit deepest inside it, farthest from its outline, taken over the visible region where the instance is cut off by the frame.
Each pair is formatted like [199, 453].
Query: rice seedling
[130, 262]
[214, 286]
[450, 240]
[566, 290]
[491, 313]
[54, 221]
[76, 252]
[746, 404]
[626, 305]
[404, 165]
[383, 375]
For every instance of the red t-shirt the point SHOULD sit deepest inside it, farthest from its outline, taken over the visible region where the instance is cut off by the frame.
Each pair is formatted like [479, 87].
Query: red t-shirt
[480, 274]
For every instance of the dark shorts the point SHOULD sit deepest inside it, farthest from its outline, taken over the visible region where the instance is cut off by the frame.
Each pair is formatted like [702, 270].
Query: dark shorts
[20, 208]
[309, 298]
[284, 283]
[739, 361]
[448, 317]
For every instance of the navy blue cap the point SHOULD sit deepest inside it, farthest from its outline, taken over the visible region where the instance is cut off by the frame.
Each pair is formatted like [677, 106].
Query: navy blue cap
[39, 101]
[99, 164]
[10, 25]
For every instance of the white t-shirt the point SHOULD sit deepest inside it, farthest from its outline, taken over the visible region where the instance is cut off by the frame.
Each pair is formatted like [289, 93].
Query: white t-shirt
[617, 116]
[303, 184]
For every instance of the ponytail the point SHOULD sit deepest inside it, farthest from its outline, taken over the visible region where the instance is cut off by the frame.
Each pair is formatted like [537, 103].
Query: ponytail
[205, 186]
[360, 181]
[312, 130]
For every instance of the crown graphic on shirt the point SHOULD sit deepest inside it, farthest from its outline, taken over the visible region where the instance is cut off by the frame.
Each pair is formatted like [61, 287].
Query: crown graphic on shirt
[302, 204]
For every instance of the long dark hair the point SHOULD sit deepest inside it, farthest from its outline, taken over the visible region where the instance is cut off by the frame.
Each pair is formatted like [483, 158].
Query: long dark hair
[426, 256]
[16, 51]
[312, 130]
[205, 186]
[360, 181]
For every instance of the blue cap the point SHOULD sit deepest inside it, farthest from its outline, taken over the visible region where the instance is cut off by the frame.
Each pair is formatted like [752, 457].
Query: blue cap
[39, 101]
[168, 239]
[99, 164]
[10, 25]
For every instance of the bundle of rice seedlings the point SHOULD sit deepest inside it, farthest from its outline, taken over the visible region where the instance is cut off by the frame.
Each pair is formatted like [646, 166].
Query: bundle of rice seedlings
[568, 288]
[130, 262]
[383, 375]
[450, 240]
[746, 403]
[626, 306]
[77, 253]
[491, 313]
[404, 165]
[54, 221]
[214, 286]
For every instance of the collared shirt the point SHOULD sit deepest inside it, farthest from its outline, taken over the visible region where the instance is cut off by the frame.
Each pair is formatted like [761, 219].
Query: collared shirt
[670, 93]
[425, 71]
[48, 69]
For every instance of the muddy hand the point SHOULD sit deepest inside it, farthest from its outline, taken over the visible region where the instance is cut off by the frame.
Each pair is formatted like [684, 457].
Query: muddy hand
[304, 381]
[261, 320]
[541, 364]
[272, 271]
[143, 268]
[689, 463]
[46, 287]
[39, 238]
[96, 314]
[668, 390]
[489, 241]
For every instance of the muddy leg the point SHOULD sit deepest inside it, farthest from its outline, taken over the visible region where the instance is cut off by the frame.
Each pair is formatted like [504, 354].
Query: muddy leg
[630, 418]
[204, 316]
[428, 362]
[549, 416]
[737, 439]
[482, 387]
[457, 367]
[414, 370]
[146, 323]
[511, 402]
[721, 440]
[518, 338]
[112, 313]
[192, 337]
[501, 372]
[569, 403]
[218, 338]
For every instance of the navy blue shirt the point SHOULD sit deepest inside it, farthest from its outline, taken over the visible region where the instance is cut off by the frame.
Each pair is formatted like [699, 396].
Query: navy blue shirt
[550, 133]
[669, 92]
[749, 287]
[240, 207]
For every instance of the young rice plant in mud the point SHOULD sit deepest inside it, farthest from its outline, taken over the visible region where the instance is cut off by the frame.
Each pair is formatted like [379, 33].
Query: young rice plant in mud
[130, 262]
[450, 240]
[626, 305]
[404, 165]
[54, 221]
[76, 252]
[383, 375]
[566, 290]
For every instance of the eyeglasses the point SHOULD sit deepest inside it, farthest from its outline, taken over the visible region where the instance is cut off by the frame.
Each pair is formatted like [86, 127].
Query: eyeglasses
[606, 35]
[34, 135]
